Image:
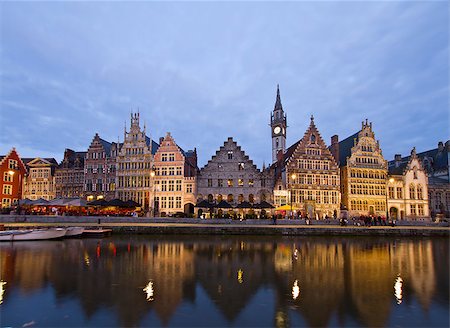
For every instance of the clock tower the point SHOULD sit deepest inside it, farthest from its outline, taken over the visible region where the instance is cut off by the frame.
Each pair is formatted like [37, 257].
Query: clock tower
[278, 126]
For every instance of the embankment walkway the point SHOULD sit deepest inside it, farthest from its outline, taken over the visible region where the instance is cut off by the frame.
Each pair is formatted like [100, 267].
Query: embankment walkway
[132, 225]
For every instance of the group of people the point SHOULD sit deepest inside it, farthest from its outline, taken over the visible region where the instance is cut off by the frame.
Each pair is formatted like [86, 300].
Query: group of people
[371, 220]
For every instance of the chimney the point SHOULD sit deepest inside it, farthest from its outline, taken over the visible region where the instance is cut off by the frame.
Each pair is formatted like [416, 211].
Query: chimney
[398, 159]
[440, 146]
[161, 139]
[334, 148]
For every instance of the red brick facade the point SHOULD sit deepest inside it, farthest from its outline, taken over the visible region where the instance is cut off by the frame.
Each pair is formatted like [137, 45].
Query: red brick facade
[12, 172]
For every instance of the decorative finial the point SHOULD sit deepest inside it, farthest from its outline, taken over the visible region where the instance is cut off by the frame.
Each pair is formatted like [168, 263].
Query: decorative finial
[312, 117]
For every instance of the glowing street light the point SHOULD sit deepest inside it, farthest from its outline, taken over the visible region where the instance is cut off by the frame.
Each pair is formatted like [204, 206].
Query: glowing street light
[293, 177]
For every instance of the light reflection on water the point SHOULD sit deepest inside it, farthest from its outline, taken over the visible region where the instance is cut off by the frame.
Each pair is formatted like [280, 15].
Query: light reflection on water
[225, 281]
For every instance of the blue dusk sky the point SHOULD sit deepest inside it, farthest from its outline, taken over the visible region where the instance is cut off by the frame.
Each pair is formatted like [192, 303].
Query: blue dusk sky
[205, 71]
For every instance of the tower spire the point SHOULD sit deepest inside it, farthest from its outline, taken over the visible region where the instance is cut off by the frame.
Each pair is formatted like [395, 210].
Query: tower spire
[278, 100]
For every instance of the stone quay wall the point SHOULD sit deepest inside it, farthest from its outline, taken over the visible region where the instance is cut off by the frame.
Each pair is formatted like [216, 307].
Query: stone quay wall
[129, 225]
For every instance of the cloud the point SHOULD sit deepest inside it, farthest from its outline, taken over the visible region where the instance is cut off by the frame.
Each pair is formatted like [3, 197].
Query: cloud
[208, 71]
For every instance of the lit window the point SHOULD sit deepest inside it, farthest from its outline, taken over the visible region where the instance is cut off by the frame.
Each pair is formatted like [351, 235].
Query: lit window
[240, 182]
[230, 182]
[250, 182]
[7, 189]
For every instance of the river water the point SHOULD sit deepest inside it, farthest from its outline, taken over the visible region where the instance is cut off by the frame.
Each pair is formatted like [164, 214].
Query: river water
[233, 281]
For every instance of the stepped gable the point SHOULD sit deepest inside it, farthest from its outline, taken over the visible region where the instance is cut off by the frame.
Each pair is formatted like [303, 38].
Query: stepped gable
[222, 148]
[21, 160]
[306, 142]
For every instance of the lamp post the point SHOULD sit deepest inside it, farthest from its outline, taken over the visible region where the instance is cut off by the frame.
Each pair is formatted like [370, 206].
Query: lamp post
[152, 201]
[391, 180]
[293, 177]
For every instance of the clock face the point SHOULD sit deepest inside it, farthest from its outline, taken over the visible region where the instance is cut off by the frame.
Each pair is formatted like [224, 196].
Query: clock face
[276, 130]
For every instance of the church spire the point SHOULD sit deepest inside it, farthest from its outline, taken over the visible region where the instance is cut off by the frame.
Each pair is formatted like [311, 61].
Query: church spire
[278, 105]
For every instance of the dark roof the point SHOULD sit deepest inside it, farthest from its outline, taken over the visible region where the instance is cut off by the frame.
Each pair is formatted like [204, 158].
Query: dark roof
[397, 169]
[345, 148]
[155, 145]
[106, 145]
[439, 159]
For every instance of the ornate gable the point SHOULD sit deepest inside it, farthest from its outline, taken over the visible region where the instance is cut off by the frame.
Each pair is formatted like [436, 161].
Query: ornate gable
[40, 162]
[311, 145]
[168, 145]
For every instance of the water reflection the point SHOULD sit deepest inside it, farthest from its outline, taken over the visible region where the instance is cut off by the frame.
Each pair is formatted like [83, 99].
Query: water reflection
[144, 281]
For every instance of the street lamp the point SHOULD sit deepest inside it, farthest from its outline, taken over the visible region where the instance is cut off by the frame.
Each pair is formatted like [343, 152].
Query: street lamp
[152, 201]
[293, 177]
[391, 180]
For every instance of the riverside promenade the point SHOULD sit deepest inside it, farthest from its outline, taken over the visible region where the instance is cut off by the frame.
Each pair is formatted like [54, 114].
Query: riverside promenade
[137, 225]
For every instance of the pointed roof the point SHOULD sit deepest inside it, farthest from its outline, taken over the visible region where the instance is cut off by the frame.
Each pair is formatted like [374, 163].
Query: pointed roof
[278, 105]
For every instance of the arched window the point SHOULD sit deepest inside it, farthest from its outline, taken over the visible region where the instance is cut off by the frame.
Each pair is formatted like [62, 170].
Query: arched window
[313, 138]
[200, 197]
[277, 143]
[240, 198]
[251, 198]
[419, 192]
[230, 198]
[210, 198]
[263, 197]
[412, 192]
[219, 198]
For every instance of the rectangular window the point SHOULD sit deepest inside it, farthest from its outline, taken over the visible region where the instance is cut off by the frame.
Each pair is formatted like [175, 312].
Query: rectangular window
[12, 164]
[189, 188]
[413, 209]
[171, 157]
[164, 171]
[219, 182]
[171, 185]
[179, 170]
[240, 182]
[178, 202]
[164, 185]
[391, 192]
[230, 182]
[170, 202]
[420, 209]
[7, 177]
[230, 155]
[6, 202]
[399, 193]
[163, 202]
[210, 182]
[171, 170]
[7, 189]
[164, 157]
[178, 185]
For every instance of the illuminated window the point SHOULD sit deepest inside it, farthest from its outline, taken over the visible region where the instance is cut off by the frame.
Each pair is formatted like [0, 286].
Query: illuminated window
[6, 202]
[230, 182]
[7, 189]
[230, 198]
[391, 192]
[240, 182]
[250, 182]
[7, 177]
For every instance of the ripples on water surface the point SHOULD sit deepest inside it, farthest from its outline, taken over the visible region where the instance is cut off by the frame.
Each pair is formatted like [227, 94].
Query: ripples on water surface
[225, 281]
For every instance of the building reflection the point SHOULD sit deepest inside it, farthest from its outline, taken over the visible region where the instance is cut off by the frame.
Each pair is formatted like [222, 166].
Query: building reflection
[324, 281]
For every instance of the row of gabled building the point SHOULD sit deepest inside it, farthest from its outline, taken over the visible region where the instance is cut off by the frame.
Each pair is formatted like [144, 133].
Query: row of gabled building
[350, 176]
